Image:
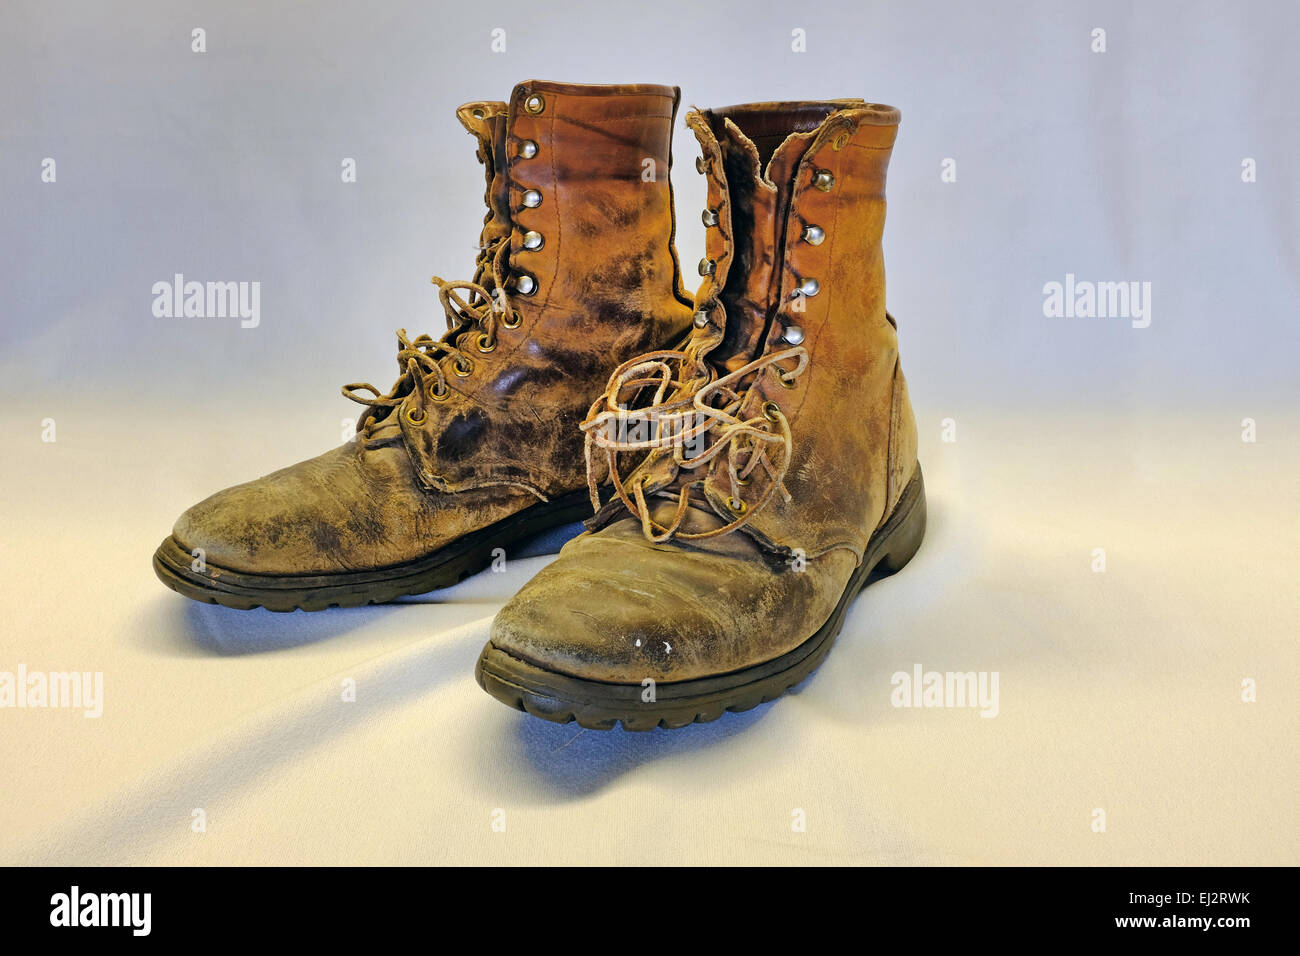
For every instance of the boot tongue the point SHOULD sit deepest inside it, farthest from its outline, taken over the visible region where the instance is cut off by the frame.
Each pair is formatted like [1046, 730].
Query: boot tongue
[760, 200]
[487, 122]
[760, 177]
[699, 516]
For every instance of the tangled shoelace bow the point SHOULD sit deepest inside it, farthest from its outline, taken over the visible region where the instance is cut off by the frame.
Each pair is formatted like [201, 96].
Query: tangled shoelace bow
[479, 304]
[683, 410]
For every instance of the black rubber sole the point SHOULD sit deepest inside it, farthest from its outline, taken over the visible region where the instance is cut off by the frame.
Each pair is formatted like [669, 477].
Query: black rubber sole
[442, 568]
[600, 706]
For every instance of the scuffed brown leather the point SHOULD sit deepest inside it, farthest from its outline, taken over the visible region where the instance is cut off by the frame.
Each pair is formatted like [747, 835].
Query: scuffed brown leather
[615, 607]
[507, 436]
[840, 408]
[350, 509]
[902, 442]
[609, 288]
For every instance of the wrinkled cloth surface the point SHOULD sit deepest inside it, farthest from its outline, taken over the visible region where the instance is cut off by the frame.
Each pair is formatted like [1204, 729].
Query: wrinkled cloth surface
[1118, 690]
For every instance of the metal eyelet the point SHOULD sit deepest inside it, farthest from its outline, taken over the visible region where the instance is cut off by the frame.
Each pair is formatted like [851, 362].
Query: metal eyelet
[436, 395]
[532, 199]
[478, 113]
[792, 334]
[525, 284]
[701, 318]
[736, 505]
[701, 165]
[707, 267]
[743, 481]
[824, 180]
[809, 288]
[535, 104]
[709, 217]
[771, 410]
[813, 234]
[786, 383]
[484, 345]
[513, 320]
[527, 149]
[533, 241]
[841, 141]
[411, 417]
[465, 372]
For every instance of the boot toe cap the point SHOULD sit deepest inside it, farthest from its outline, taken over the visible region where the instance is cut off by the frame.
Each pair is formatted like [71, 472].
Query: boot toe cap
[310, 518]
[579, 623]
[616, 609]
[239, 530]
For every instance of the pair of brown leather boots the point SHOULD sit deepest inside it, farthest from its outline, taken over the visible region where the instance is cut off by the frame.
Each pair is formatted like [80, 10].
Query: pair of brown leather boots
[750, 454]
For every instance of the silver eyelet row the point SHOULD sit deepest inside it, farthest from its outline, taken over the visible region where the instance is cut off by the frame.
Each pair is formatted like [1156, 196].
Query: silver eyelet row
[809, 288]
[710, 219]
[814, 235]
[532, 240]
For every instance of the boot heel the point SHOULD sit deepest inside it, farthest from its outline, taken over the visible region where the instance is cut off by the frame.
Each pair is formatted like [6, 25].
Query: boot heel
[905, 529]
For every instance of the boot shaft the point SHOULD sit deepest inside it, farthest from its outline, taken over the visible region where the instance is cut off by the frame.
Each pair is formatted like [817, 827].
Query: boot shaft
[796, 193]
[784, 413]
[591, 197]
[794, 263]
[578, 255]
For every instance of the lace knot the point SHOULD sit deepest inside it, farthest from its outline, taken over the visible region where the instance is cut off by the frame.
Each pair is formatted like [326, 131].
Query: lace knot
[686, 412]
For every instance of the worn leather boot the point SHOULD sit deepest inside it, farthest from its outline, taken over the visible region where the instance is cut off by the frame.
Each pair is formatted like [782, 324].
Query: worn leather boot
[779, 465]
[477, 444]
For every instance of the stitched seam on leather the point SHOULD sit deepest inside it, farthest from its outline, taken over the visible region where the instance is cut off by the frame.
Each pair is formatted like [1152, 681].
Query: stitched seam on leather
[559, 219]
[712, 149]
[597, 94]
[891, 463]
[788, 267]
[543, 476]
[679, 285]
[804, 164]
[826, 315]
[553, 255]
[592, 120]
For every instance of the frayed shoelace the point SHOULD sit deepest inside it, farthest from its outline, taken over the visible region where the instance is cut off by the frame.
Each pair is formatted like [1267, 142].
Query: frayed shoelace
[684, 409]
[480, 304]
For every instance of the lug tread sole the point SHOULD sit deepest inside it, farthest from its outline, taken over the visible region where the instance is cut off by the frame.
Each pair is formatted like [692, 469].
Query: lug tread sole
[442, 568]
